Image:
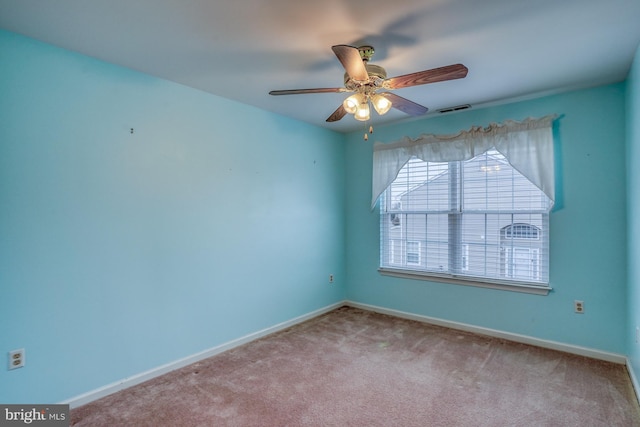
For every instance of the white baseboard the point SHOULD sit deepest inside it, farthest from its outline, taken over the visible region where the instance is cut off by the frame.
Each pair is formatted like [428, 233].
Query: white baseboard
[108, 389]
[524, 339]
[161, 370]
[634, 379]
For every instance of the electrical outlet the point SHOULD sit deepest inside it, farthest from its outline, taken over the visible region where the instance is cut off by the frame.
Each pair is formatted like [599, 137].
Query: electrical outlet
[331, 278]
[578, 306]
[16, 358]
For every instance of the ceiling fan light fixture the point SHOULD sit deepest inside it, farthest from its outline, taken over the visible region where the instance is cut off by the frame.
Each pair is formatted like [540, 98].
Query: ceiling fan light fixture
[362, 111]
[381, 104]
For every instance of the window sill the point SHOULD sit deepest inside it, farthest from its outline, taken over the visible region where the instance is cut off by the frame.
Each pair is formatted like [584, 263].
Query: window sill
[500, 285]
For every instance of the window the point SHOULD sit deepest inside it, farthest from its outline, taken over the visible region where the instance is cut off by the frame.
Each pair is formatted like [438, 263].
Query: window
[413, 252]
[520, 231]
[475, 220]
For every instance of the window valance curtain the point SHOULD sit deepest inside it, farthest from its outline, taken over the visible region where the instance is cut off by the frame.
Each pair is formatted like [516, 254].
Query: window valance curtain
[527, 145]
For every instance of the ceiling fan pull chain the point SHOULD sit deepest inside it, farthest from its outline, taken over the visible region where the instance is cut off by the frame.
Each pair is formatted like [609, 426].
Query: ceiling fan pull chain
[366, 136]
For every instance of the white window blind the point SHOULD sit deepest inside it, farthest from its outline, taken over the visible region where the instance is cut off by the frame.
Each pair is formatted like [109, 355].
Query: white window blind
[478, 219]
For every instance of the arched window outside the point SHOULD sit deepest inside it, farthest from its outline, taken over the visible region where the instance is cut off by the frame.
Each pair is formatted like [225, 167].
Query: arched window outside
[520, 231]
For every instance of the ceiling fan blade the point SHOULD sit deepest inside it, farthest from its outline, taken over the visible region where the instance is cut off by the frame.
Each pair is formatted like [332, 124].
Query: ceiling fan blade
[450, 72]
[404, 105]
[301, 91]
[337, 115]
[351, 60]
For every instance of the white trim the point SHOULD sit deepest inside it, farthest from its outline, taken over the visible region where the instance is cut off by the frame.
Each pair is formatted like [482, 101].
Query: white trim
[124, 383]
[634, 379]
[468, 281]
[524, 339]
[161, 370]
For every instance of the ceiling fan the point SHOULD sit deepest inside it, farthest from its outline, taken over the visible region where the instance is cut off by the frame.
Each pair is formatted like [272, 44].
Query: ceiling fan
[370, 84]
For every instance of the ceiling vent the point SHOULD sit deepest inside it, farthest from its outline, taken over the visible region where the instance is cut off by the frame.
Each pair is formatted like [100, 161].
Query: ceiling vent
[452, 109]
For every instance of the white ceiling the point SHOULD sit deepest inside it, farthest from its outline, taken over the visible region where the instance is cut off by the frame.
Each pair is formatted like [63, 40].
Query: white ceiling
[242, 49]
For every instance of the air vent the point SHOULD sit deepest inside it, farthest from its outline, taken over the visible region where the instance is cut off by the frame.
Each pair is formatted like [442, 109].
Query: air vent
[452, 109]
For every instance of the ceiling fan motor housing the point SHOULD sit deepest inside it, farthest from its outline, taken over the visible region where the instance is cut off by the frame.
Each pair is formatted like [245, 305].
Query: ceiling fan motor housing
[377, 75]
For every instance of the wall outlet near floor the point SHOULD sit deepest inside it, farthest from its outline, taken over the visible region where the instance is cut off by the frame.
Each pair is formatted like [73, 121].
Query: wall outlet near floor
[16, 358]
[331, 278]
[578, 306]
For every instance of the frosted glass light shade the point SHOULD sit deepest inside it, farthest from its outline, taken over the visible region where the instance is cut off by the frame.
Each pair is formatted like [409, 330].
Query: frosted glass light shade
[381, 104]
[351, 103]
[362, 111]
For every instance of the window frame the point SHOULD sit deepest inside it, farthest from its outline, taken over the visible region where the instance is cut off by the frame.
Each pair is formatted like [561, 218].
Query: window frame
[462, 277]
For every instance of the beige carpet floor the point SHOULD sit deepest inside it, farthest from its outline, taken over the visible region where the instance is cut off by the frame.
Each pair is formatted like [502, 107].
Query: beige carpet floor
[352, 367]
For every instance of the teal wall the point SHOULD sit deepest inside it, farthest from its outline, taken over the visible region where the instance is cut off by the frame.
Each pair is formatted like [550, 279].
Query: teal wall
[122, 252]
[588, 228]
[633, 169]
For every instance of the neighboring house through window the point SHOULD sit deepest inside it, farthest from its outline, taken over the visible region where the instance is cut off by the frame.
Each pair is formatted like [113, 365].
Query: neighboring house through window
[520, 247]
